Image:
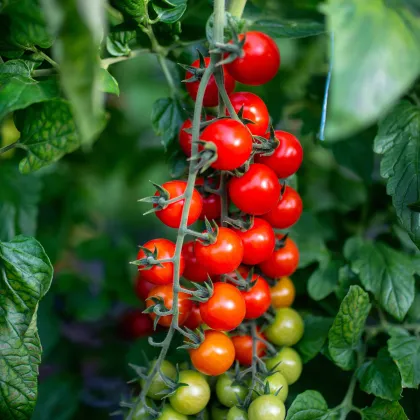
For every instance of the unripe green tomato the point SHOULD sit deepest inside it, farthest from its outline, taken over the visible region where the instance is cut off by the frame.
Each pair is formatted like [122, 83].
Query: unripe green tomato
[157, 384]
[275, 381]
[266, 407]
[193, 398]
[168, 413]
[139, 412]
[226, 392]
[288, 362]
[236, 413]
[286, 329]
[219, 413]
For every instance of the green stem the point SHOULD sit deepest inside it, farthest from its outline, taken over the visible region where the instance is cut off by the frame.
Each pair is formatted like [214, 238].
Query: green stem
[8, 147]
[222, 91]
[168, 75]
[236, 7]
[106, 62]
[45, 57]
[254, 361]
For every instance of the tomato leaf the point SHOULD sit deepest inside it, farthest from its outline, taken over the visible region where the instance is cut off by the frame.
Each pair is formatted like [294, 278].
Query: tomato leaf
[134, 8]
[310, 405]
[117, 43]
[323, 280]
[169, 12]
[108, 83]
[381, 409]
[278, 28]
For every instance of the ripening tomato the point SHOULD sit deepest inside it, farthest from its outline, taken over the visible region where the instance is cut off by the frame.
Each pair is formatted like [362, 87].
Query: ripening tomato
[225, 309]
[215, 354]
[257, 191]
[283, 261]
[224, 255]
[194, 319]
[165, 292]
[136, 324]
[287, 156]
[283, 293]
[286, 329]
[142, 286]
[254, 109]
[211, 95]
[158, 384]
[259, 241]
[171, 215]
[233, 142]
[267, 407]
[160, 274]
[228, 391]
[185, 139]
[287, 211]
[260, 61]
[243, 349]
[288, 362]
[193, 270]
[257, 299]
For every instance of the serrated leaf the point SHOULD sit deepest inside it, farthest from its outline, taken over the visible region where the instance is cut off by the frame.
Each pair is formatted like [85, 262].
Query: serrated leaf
[134, 8]
[169, 12]
[387, 273]
[368, 35]
[381, 410]
[323, 280]
[117, 43]
[310, 405]
[108, 83]
[405, 350]
[278, 28]
[398, 141]
[347, 328]
[381, 377]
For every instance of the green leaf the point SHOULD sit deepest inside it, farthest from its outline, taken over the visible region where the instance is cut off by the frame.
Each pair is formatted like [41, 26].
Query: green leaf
[278, 28]
[387, 273]
[367, 78]
[47, 134]
[347, 328]
[310, 405]
[169, 12]
[314, 337]
[398, 141]
[108, 83]
[346, 278]
[381, 377]
[405, 350]
[381, 410]
[134, 8]
[323, 280]
[117, 43]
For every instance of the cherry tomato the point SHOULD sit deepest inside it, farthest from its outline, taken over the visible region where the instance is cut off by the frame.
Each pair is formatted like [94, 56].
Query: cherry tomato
[277, 384]
[142, 286]
[288, 362]
[224, 255]
[160, 274]
[286, 329]
[287, 211]
[215, 354]
[283, 261]
[171, 215]
[227, 392]
[165, 292]
[236, 413]
[283, 293]
[193, 270]
[185, 139]
[158, 385]
[257, 299]
[168, 413]
[260, 61]
[233, 142]
[267, 407]
[194, 319]
[243, 349]
[258, 242]
[139, 412]
[287, 157]
[254, 109]
[136, 324]
[212, 207]
[219, 412]
[211, 95]
[257, 191]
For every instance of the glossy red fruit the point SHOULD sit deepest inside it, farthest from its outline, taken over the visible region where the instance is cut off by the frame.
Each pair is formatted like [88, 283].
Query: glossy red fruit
[224, 255]
[257, 299]
[142, 286]
[135, 324]
[194, 319]
[260, 61]
[243, 348]
[211, 95]
[283, 261]
[160, 274]
[287, 211]
[225, 310]
[185, 139]
[258, 242]
[257, 191]
[233, 142]
[194, 271]
[211, 202]
[287, 157]
[254, 109]
[171, 215]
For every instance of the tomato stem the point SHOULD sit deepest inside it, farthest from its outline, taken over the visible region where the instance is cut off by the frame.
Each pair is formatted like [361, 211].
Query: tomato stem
[254, 363]
[237, 7]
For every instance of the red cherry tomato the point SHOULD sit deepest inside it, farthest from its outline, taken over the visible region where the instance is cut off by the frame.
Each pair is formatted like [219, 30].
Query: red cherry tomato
[258, 242]
[193, 270]
[211, 202]
[165, 292]
[254, 109]
[233, 142]
[257, 191]
[160, 274]
[243, 348]
[283, 261]
[287, 157]
[257, 299]
[135, 324]
[224, 255]
[142, 286]
[225, 310]
[171, 215]
[194, 319]
[287, 211]
[185, 139]
[260, 61]
[211, 95]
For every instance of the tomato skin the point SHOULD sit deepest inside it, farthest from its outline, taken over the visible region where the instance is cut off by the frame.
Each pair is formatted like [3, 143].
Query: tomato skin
[172, 214]
[243, 349]
[287, 211]
[135, 324]
[211, 95]
[226, 392]
[257, 299]
[164, 274]
[194, 319]
[267, 407]
[215, 355]
[254, 109]
[142, 287]
[185, 139]
[260, 62]
[193, 270]
[257, 191]
[165, 292]
[283, 293]
[276, 382]
[283, 261]
[235, 413]
[286, 329]
[233, 142]
[287, 157]
[212, 207]
[258, 242]
[168, 413]
[223, 256]
[225, 310]
[158, 385]
[288, 362]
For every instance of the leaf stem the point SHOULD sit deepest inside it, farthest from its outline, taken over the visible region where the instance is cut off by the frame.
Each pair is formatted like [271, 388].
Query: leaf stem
[9, 147]
[236, 7]
[106, 62]
[47, 58]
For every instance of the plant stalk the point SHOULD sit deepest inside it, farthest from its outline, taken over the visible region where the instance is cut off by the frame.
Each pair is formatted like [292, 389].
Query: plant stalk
[8, 147]
[236, 7]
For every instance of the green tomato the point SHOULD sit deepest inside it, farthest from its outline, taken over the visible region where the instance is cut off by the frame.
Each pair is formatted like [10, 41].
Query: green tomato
[157, 384]
[226, 392]
[286, 329]
[219, 413]
[288, 362]
[235, 413]
[139, 412]
[267, 407]
[275, 381]
[191, 399]
[168, 413]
